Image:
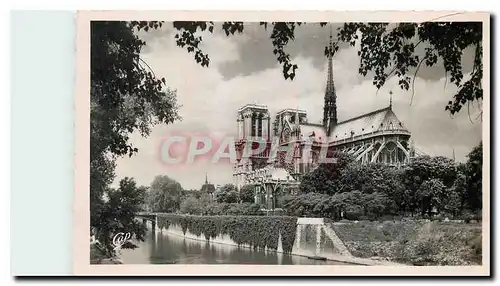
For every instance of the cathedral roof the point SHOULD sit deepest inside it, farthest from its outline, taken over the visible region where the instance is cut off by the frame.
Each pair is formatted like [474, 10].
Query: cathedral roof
[313, 130]
[209, 188]
[378, 120]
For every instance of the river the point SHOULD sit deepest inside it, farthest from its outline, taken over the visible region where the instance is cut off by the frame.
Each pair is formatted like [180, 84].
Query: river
[171, 248]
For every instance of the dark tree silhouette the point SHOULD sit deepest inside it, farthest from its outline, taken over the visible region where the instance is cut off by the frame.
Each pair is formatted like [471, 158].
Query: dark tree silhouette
[474, 175]
[125, 95]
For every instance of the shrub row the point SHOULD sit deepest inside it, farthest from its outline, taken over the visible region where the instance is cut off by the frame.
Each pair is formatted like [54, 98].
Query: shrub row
[256, 231]
[246, 209]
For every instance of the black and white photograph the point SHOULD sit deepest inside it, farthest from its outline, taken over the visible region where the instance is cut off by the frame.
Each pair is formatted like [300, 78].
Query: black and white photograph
[324, 143]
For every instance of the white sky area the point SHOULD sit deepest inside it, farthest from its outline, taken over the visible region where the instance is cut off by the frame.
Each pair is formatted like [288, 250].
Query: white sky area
[239, 75]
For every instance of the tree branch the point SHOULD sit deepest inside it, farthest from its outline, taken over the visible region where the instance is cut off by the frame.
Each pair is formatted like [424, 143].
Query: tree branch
[150, 69]
[418, 43]
[414, 77]
[389, 74]
[468, 112]
[480, 115]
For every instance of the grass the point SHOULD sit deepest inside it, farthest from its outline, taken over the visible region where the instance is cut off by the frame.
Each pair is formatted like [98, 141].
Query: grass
[414, 242]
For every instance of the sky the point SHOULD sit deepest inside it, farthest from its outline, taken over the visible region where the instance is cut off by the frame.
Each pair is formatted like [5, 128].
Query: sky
[243, 69]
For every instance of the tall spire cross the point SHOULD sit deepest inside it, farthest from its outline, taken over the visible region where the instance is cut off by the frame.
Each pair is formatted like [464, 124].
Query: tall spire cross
[330, 86]
[390, 100]
[330, 105]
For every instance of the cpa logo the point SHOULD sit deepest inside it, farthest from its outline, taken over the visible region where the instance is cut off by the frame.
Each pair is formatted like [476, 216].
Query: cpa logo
[120, 239]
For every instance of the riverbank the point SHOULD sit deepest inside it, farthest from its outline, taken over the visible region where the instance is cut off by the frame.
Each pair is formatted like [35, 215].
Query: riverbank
[169, 248]
[305, 254]
[406, 242]
[309, 238]
[97, 256]
[414, 242]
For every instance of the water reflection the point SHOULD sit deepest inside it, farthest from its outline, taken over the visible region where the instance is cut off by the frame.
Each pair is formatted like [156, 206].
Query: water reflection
[169, 249]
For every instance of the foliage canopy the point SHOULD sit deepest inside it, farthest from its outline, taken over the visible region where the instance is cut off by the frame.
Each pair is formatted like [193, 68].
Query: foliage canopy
[386, 49]
[125, 96]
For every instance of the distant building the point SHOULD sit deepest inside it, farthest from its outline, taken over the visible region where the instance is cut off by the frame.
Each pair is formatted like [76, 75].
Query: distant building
[208, 188]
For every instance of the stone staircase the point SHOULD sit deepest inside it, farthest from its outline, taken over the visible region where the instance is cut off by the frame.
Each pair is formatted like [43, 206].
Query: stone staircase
[337, 242]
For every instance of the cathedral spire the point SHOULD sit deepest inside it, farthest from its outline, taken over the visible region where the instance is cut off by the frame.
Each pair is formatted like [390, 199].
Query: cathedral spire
[330, 87]
[330, 108]
[390, 100]
[206, 178]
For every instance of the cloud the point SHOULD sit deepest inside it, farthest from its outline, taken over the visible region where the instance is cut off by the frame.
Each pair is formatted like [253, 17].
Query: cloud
[210, 100]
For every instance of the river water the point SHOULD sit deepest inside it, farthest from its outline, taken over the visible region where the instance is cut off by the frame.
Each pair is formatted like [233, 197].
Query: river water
[171, 248]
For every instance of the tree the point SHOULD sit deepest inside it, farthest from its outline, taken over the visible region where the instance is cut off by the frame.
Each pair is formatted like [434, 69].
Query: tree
[457, 193]
[165, 194]
[191, 205]
[118, 212]
[425, 168]
[227, 194]
[474, 176]
[325, 178]
[373, 178]
[247, 194]
[377, 204]
[205, 199]
[454, 203]
[353, 204]
[125, 96]
[386, 49]
[431, 194]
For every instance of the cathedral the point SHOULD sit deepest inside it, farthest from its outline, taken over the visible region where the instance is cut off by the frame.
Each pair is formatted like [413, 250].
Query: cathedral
[378, 136]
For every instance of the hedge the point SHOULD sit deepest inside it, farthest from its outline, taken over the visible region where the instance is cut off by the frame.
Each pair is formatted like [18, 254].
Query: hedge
[256, 231]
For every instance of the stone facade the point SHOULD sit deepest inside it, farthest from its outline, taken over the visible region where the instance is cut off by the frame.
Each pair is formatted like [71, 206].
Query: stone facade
[377, 136]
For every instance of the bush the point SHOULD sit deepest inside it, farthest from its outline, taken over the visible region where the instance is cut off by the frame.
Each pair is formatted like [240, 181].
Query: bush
[256, 231]
[467, 217]
[353, 212]
[247, 194]
[364, 218]
[478, 216]
[476, 245]
[310, 204]
[244, 209]
[437, 218]
[216, 209]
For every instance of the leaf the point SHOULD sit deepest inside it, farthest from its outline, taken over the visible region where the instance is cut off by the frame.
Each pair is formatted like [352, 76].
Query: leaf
[114, 116]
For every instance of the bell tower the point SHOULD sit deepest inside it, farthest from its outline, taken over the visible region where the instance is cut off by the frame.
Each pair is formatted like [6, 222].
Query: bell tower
[253, 129]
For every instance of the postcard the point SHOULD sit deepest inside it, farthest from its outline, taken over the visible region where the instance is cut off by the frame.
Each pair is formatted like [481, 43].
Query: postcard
[297, 143]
